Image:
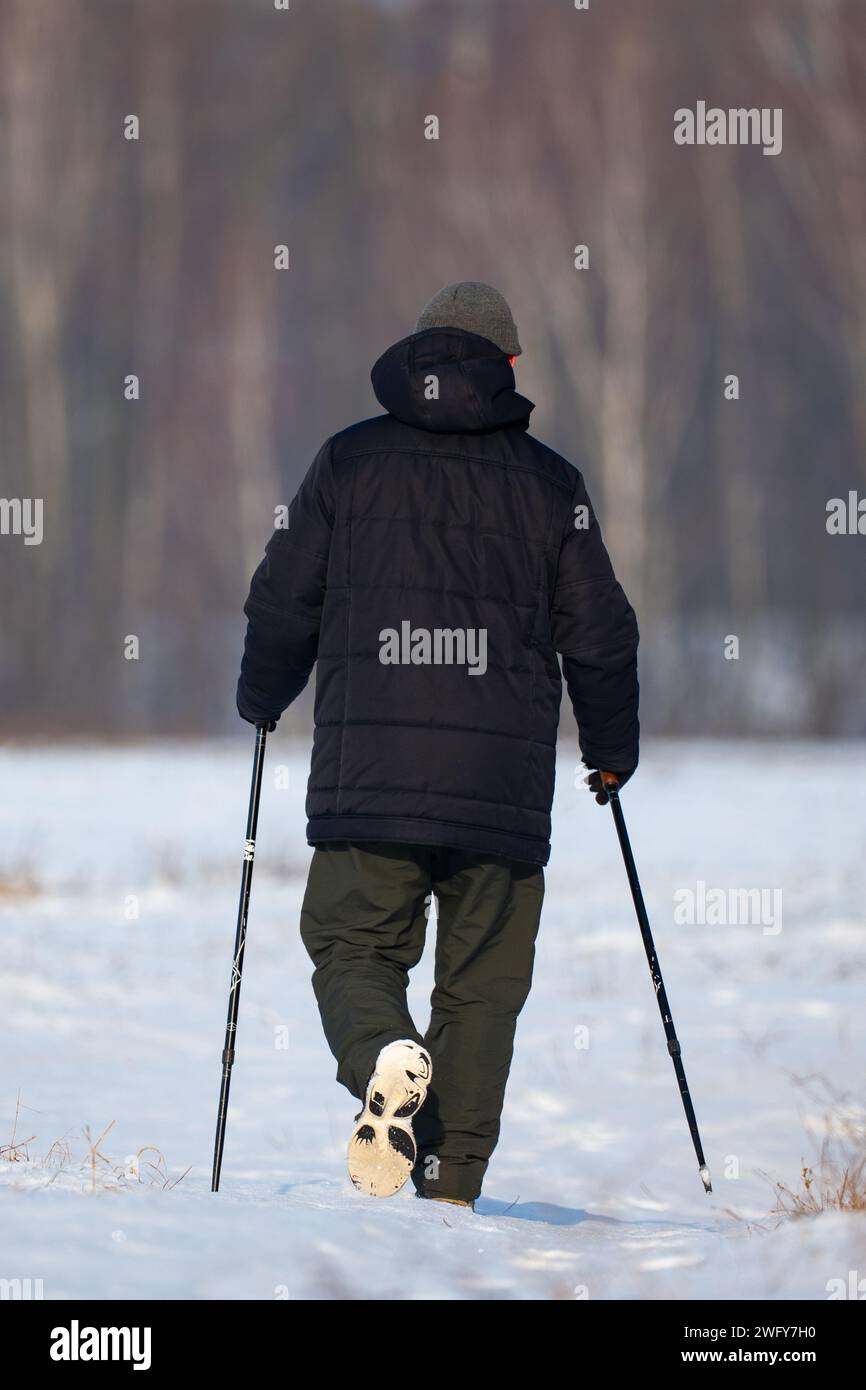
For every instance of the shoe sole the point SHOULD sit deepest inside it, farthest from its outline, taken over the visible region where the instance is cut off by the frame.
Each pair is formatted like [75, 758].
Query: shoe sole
[382, 1150]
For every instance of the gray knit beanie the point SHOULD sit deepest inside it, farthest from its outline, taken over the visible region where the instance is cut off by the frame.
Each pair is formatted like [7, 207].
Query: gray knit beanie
[476, 308]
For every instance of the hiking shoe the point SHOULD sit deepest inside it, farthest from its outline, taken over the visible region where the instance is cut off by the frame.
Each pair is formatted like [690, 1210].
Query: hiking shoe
[454, 1201]
[382, 1149]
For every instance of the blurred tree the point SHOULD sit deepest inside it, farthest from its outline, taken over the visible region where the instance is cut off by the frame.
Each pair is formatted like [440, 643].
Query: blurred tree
[306, 127]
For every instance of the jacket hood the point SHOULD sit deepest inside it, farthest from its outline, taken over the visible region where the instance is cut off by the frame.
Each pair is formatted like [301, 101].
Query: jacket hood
[476, 389]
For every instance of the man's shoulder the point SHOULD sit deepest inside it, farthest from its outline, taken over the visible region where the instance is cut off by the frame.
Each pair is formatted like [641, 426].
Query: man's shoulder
[508, 445]
[373, 433]
[549, 463]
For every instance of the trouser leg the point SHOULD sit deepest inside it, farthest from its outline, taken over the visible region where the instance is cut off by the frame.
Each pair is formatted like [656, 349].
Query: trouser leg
[363, 924]
[488, 916]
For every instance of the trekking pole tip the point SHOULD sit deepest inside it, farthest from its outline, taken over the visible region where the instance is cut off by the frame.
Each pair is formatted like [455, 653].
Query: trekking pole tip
[705, 1177]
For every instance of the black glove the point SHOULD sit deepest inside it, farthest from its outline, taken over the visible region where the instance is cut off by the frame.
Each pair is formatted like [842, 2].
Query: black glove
[594, 782]
[267, 723]
[260, 721]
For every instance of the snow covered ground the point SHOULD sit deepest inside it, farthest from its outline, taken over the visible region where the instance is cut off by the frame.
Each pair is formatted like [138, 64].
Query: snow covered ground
[593, 1191]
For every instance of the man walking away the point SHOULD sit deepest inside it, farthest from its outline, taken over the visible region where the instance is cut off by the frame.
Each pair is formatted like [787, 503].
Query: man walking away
[436, 561]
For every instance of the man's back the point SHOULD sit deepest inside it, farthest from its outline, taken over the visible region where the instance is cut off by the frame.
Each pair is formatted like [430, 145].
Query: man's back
[436, 560]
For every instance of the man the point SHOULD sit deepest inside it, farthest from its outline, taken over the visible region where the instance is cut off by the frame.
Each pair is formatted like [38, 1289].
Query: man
[436, 561]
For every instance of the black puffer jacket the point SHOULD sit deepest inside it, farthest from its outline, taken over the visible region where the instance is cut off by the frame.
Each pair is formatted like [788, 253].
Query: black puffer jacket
[436, 560]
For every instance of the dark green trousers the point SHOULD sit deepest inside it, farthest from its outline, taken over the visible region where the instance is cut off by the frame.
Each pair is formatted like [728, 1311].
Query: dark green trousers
[364, 921]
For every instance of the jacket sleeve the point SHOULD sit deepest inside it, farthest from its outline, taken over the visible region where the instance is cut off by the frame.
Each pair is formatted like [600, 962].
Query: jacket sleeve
[284, 606]
[595, 632]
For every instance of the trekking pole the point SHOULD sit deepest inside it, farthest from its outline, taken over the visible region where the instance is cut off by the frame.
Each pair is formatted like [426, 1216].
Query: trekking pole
[611, 786]
[238, 958]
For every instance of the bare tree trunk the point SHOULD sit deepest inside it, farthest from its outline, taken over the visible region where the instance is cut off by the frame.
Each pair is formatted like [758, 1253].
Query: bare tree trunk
[741, 486]
[34, 256]
[156, 454]
[624, 368]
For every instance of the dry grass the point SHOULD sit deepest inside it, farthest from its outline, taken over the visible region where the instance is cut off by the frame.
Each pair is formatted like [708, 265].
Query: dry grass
[16, 1151]
[836, 1181]
[831, 1185]
[19, 880]
[147, 1167]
